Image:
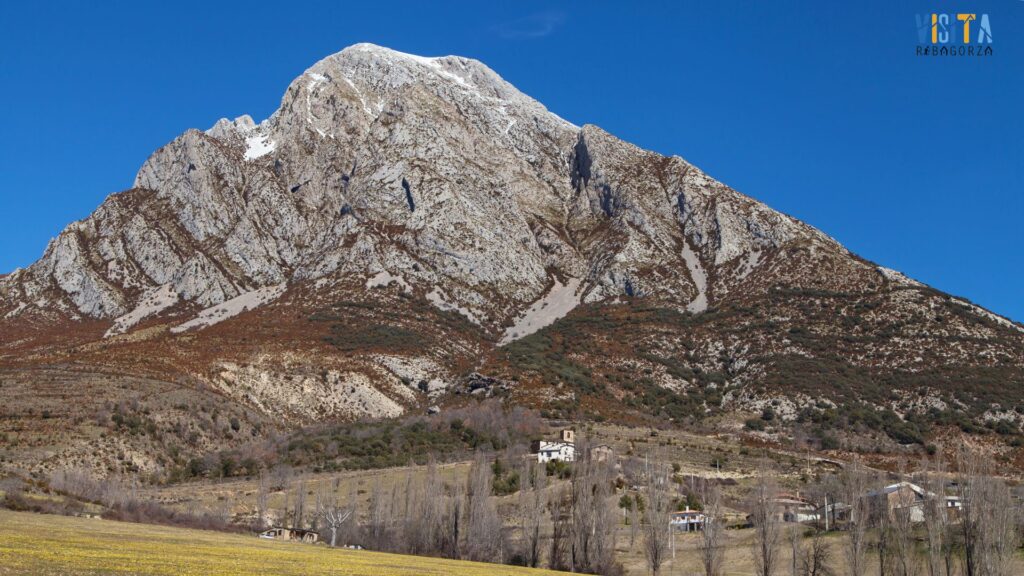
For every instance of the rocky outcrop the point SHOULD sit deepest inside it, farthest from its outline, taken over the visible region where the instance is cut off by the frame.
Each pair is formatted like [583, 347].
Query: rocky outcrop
[432, 169]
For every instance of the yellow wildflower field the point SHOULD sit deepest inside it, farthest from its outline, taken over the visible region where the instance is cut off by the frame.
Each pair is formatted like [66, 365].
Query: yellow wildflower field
[40, 544]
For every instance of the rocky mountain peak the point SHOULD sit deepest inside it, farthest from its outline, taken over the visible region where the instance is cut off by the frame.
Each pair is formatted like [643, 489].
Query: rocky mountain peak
[387, 70]
[432, 170]
[404, 227]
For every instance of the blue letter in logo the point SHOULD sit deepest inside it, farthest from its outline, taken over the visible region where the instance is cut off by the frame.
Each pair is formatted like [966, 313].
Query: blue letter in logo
[943, 28]
[984, 31]
[923, 24]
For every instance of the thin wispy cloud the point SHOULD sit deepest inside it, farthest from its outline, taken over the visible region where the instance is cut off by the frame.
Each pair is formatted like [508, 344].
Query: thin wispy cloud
[535, 25]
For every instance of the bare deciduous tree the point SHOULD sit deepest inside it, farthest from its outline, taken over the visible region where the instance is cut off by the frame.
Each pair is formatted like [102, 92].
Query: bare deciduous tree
[285, 514]
[222, 511]
[299, 513]
[970, 468]
[796, 550]
[988, 517]
[262, 498]
[561, 520]
[532, 506]
[454, 522]
[937, 521]
[712, 536]
[903, 509]
[657, 517]
[880, 520]
[333, 514]
[482, 521]
[397, 527]
[816, 559]
[426, 512]
[767, 525]
[377, 518]
[854, 484]
[279, 477]
[1000, 538]
[593, 514]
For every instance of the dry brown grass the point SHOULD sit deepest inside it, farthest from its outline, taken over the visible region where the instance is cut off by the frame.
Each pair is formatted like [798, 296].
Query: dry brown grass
[41, 545]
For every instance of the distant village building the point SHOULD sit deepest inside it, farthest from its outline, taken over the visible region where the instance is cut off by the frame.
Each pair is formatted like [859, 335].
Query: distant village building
[602, 452]
[548, 451]
[793, 508]
[563, 450]
[835, 515]
[688, 520]
[281, 533]
[901, 497]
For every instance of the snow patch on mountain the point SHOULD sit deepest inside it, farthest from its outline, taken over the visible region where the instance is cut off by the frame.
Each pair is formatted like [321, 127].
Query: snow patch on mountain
[362, 99]
[434, 63]
[257, 146]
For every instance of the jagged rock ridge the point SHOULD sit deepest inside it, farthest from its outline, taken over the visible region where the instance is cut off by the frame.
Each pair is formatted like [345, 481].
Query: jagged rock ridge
[474, 181]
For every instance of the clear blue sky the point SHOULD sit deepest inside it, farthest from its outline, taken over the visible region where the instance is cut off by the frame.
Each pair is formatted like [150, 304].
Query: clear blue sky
[820, 109]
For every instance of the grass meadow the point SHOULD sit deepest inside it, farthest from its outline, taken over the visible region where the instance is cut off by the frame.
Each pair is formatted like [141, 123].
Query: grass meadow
[46, 545]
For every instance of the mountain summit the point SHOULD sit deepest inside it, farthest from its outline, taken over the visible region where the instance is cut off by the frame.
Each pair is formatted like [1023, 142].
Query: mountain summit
[404, 227]
[481, 189]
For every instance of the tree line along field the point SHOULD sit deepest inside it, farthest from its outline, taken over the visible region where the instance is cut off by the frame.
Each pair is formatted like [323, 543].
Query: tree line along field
[736, 471]
[38, 544]
[409, 510]
[45, 545]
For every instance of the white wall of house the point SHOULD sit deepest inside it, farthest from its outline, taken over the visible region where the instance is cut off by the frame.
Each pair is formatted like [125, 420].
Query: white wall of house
[687, 521]
[564, 451]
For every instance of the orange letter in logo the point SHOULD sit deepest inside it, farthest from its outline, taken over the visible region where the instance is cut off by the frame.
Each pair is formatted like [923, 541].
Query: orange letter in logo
[935, 28]
[966, 19]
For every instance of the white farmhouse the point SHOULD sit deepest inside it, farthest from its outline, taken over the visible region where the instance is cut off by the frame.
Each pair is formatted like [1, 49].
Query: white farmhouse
[688, 520]
[563, 450]
[548, 451]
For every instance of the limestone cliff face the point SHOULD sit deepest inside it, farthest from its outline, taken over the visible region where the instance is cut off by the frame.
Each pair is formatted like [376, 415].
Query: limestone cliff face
[434, 170]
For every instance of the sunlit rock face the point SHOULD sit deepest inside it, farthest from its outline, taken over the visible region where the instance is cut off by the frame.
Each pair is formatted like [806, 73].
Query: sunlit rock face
[400, 222]
[434, 170]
